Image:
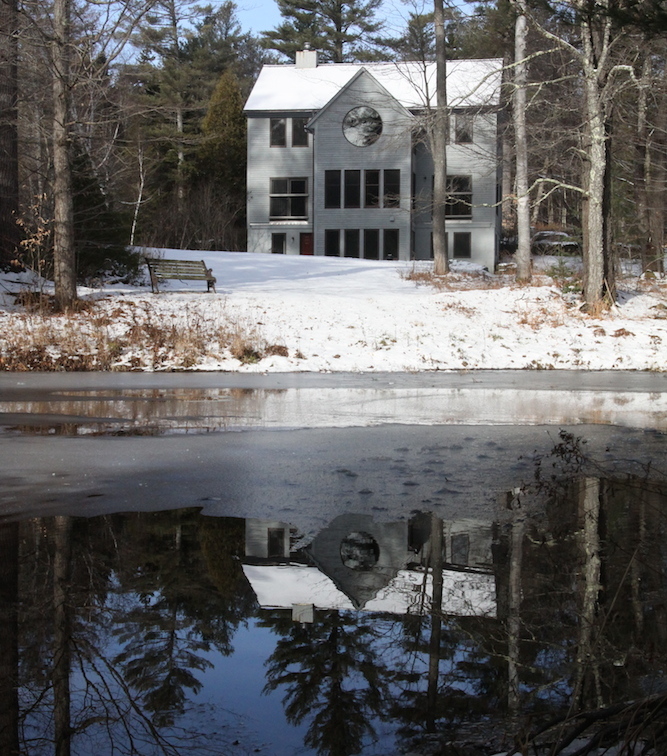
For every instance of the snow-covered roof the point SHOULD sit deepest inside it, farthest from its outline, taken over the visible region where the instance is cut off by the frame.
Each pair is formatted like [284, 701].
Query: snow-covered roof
[463, 594]
[470, 83]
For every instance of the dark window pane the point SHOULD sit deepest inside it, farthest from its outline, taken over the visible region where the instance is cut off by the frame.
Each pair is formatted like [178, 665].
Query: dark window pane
[332, 242]
[462, 244]
[298, 186]
[279, 186]
[298, 207]
[372, 244]
[299, 133]
[352, 188]
[352, 242]
[278, 132]
[390, 244]
[392, 188]
[331, 188]
[372, 189]
[279, 207]
[278, 244]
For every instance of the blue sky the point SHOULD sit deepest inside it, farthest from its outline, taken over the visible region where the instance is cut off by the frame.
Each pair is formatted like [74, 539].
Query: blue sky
[263, 15]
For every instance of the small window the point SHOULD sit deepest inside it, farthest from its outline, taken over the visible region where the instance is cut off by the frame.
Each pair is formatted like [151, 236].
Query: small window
[331, 189]
[371, 188]
[299, 133]
[462, 245]
[371, 243]
[392, 188]
[460, 548]
[332, 242]
[278, 244]
[352, 188]
[463, 128]
[276, 543]
[351, 242]
[278, 132]
[390, 246]
[459, 197]
[288, 198]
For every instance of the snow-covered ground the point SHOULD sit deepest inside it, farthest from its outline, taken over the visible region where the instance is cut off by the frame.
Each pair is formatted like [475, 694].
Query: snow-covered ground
[326, 314]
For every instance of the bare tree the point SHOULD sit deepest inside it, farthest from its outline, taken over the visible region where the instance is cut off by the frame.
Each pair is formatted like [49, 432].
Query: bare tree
[523, 267]
[9, 177]
[439, 128]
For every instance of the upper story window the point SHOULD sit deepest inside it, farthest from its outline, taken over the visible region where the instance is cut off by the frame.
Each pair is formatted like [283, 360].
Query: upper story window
[459, 197]
[372, 188]
[463, 123]
[299, 133]
[391, 196]
[288, 198]
[352, 189]
[278, 132]
[332, 189]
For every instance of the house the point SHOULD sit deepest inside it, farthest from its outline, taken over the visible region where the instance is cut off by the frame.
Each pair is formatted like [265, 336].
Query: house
[338, 163]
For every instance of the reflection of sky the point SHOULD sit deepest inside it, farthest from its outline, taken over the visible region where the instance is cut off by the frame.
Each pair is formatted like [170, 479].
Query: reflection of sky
[234, 685]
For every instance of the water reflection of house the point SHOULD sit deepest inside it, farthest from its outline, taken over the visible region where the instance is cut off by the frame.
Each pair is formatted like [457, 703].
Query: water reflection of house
[358, 563]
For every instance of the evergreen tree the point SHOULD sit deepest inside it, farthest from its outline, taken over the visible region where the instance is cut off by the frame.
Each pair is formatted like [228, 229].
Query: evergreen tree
[340, 30]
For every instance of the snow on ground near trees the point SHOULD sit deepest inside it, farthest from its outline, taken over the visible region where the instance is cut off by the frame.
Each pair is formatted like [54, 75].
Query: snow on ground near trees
[359, 315]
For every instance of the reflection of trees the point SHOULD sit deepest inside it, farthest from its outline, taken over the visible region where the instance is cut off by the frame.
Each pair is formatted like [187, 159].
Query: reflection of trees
[9, 704]
[332, 676]
[180, 614]
[149, 574]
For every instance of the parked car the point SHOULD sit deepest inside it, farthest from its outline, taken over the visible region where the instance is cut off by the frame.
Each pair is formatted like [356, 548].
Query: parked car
[554, 243]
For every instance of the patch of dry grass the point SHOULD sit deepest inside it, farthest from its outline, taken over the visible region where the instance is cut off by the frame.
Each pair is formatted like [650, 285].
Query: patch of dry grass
[108, 335]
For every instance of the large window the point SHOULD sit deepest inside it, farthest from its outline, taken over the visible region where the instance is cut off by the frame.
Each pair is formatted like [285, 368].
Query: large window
[299, 133]
[390, 245]
[371, 243]
[278, 132]
[332, 242]
[332, 189]
[351, 242]
[288, 198]
[352, 189]
[459, 197]
[372, 188]
[392, 188]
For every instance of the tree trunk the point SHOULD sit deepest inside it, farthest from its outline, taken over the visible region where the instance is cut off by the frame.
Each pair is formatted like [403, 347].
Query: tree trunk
[439, 128]
[514, 610]
[589, 499]
[435, 558]
[9, 654]
[64, 259]
[62, 632]
[523, 271]
[9, 172]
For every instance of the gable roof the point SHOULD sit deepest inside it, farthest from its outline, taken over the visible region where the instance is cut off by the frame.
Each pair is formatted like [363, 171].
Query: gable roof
[470, 83]
[361, 72]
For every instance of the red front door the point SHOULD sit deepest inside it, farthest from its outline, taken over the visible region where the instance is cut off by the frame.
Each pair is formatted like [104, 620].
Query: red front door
[306, 244]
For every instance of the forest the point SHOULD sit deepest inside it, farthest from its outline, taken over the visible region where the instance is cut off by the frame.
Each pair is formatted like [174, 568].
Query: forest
[122, 126]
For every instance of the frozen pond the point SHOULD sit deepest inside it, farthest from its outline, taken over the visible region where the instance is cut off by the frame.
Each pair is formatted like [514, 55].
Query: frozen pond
[333, 564]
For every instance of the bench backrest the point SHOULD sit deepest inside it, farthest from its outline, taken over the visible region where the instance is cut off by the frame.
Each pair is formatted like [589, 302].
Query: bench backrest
[182, 269]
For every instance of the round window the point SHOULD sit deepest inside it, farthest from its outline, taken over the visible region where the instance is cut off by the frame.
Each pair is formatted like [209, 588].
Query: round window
[362, 126]
[359, 551]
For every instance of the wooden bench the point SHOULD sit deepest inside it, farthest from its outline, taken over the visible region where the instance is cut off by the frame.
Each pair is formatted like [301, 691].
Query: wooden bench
[181, 270]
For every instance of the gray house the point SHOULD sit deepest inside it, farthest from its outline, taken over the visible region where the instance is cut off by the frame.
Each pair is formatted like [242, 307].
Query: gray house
[338, 163]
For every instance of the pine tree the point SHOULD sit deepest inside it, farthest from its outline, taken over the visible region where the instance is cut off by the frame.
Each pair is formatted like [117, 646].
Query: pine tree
[340, 30]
